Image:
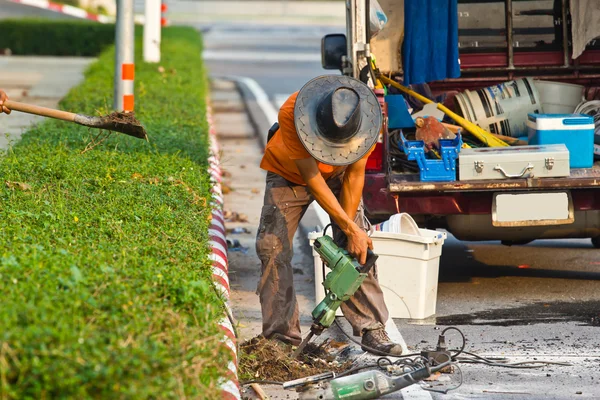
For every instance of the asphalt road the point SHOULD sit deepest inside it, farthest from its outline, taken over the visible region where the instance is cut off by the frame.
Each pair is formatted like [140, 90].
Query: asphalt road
[533, 302]
[280, 59]
[14, 10]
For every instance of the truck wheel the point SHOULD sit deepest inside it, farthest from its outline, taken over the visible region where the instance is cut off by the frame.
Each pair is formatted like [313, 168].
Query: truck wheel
[596, 242]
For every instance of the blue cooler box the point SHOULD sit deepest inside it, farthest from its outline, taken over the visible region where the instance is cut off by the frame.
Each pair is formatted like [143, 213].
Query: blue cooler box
[576, 131]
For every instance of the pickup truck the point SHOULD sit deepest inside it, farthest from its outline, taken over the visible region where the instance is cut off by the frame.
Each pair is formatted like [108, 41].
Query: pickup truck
[528, 38]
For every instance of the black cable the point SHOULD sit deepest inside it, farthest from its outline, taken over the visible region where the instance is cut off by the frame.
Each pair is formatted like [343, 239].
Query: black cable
[486, 359]
[325, 229]
[370, 349]
[477, 359]
[464, 340]
[261, 382]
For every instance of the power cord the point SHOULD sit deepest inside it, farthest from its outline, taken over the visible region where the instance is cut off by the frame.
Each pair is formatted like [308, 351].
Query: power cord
[370, 349]
[442, 339]
[477, 359]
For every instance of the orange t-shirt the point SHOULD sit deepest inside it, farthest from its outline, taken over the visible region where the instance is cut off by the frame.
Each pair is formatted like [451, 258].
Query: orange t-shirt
[285, 147]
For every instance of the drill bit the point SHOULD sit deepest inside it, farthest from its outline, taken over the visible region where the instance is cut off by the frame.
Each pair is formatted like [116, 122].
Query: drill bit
[298, 351]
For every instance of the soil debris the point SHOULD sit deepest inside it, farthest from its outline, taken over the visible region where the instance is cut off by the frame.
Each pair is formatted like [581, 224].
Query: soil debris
[122, 122]
[266, 359]
[232, 216]
[237, 230]
[122, 118]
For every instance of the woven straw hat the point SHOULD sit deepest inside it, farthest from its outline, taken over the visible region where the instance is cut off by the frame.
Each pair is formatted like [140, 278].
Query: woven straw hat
[337, 118]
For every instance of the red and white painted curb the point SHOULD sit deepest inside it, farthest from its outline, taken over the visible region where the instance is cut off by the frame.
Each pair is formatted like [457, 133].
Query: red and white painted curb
[220, 267]
[73, 11]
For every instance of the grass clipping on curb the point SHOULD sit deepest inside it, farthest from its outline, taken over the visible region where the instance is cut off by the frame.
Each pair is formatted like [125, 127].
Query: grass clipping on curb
[265, 359]
[104, 271]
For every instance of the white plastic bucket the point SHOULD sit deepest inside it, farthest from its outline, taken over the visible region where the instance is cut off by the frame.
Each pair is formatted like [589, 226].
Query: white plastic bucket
[559, 97]
[408, 268]
[502, 108]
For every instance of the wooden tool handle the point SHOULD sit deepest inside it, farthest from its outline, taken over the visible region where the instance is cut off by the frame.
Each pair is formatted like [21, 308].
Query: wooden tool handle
[507, 139]
[259, 391]
[43, 111]
[479, 133]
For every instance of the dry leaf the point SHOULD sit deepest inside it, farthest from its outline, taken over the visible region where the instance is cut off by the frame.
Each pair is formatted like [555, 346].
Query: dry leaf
[433, 377]
[255, 191]
[18, 185]
[225, 189]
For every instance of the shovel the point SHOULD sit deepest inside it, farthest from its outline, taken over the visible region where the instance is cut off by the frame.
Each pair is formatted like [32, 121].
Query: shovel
[116, 122]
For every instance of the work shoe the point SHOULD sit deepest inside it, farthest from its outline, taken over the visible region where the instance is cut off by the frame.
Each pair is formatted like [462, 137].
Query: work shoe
[377, 341]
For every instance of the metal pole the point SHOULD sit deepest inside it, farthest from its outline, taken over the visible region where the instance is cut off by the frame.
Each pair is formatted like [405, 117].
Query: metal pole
[152, 31]
[565, 34]
[508, 11]
[124, 57]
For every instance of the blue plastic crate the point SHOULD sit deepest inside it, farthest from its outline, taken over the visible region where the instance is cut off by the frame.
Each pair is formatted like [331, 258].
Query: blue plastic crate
[432, 170]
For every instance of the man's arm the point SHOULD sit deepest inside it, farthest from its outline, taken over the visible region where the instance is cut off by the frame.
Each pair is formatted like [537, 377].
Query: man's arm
[3, 98]
[352, 187]
[358, 240]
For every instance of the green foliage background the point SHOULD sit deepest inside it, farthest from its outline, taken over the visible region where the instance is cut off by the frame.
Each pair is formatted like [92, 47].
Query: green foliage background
[55, 37]
[104, 279]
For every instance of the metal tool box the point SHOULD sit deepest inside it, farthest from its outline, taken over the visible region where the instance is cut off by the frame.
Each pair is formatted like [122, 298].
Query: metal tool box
[544, 161]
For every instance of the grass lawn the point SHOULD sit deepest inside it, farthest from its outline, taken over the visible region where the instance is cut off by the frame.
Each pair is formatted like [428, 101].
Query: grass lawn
[105, 283]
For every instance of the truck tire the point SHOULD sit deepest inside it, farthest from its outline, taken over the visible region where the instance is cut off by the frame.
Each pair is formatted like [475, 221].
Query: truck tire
[596, 242]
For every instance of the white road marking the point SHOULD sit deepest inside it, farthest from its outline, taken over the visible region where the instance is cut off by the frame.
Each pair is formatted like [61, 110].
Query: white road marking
[395, 335]
[415, 392]
[262, 99]
[233, 55]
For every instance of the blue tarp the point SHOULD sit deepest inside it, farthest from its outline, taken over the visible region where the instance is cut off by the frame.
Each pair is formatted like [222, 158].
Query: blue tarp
[430, 48]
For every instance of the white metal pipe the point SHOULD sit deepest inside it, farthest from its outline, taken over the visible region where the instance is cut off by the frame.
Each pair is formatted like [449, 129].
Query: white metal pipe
[124, 57]
[152, 31]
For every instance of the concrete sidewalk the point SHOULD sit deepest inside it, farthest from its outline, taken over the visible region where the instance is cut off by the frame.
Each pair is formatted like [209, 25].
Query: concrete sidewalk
[41, 81]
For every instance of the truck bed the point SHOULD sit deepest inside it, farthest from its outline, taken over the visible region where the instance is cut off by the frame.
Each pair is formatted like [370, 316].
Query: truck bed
[581, 178]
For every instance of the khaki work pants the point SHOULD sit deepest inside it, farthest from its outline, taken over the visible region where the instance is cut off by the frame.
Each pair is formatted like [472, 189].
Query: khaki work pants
[285, 204]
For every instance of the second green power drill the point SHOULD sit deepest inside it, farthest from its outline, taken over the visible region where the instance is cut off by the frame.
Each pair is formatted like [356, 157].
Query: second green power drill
[344, 279]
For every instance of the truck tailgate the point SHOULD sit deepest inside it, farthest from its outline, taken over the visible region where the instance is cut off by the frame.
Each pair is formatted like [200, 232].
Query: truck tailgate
[584, 178]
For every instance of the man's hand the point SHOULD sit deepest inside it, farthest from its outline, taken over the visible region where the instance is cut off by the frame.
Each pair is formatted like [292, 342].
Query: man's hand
[3, 98]
[358, 243]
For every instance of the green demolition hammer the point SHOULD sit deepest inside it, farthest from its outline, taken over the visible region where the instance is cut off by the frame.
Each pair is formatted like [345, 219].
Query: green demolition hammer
[340, 284]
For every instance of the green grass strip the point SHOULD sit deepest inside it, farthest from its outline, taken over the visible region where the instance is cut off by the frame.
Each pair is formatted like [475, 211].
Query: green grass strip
[104, 279]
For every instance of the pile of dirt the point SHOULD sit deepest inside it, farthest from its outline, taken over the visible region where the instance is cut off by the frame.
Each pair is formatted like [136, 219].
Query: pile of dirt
[125, 123]
[272, 360]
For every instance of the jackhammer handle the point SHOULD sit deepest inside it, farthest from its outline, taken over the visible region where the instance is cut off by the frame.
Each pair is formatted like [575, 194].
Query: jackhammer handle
[371, 259]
